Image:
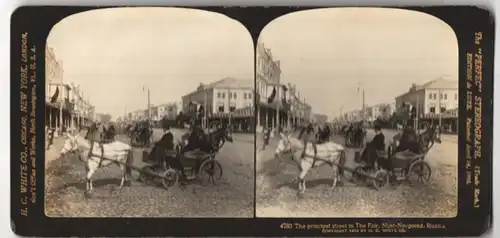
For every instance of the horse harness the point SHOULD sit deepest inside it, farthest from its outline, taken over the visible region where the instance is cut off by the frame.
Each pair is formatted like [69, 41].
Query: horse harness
[316, 158]
[101, 145]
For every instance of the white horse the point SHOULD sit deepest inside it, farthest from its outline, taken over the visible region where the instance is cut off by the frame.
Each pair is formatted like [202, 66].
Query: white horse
[328, 153]
[116, 152]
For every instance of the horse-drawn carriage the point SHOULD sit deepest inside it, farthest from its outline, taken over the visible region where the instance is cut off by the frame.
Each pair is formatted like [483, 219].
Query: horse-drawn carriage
[197, 163]
[405, 166]
[388, 166]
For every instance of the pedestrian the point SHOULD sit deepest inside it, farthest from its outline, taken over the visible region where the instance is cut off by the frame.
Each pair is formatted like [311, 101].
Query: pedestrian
[50, 140]
[266, 134]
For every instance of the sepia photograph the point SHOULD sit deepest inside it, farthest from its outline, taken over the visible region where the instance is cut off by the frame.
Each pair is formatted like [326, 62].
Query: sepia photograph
[149, 113]
[357, 115]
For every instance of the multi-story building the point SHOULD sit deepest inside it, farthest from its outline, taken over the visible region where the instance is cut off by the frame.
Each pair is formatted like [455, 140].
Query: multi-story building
[433, 101]
[169, 110]
[379, 111]
[321, 118]
[277, 104]
[228, 101]
[436, 96]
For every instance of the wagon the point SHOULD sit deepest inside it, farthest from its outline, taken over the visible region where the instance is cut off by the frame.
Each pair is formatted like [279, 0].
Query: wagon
[410, 167]
[196, 164]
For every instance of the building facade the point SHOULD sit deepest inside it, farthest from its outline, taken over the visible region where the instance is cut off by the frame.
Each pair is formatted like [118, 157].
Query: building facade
[227, 101]
[432, 102]
[434, 97]
[278, 104]
[379, 111]
[65, 106]
[321, 118]
[168, 110]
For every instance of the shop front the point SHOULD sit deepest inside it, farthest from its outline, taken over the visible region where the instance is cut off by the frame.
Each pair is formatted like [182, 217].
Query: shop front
[240, 120]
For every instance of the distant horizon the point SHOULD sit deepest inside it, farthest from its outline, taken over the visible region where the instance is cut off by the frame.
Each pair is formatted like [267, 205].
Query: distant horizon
[116, 54]
[333, 54]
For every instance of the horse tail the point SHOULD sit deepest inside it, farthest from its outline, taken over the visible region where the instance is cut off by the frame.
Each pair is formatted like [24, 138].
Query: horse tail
[129, 162]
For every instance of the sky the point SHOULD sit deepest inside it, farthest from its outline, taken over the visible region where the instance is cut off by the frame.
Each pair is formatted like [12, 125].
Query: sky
[114, 53]
[327, 53]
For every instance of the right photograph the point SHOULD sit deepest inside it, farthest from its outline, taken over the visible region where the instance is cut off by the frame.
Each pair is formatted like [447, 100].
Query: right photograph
[357, 115]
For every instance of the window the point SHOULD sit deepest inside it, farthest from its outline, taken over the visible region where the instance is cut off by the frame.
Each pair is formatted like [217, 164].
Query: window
[443, 108]
[244, 95]
[445, 96]
[221, 108]
[232, 107]
[234, 95]
[223, 95]
[249, 95]
[430, 95]
[218, 95]
[432, 108]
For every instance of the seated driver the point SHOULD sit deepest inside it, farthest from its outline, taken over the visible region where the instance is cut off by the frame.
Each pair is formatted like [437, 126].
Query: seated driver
[194, 139]
[408, 143]
[164, 145]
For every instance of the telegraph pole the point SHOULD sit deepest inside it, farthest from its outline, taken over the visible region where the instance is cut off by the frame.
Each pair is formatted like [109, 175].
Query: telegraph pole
[204, 123]
[229, 106]
[440, 92]
[363, 106]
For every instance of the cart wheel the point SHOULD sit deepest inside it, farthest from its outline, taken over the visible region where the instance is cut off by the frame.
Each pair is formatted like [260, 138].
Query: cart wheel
[170, 178]
[210, 170]
[356, 176]
[419, 173]
[381, 179]
[145, 175]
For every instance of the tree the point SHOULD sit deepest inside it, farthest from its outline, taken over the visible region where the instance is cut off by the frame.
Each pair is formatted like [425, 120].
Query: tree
[105, 118]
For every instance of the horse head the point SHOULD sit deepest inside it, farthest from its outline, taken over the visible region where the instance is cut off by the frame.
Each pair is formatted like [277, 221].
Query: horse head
[70, 144]
[227, 135]
[287, 144]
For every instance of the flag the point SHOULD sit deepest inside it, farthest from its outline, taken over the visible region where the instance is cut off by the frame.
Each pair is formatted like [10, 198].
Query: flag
[54, 97]
[270, 99]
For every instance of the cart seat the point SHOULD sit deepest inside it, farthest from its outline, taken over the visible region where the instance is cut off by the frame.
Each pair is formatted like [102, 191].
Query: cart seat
[406, 155]
[382, 154]
[196, 155]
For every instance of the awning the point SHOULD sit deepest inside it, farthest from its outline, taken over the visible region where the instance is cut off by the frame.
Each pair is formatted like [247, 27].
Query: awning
[238, 113]
[450, 114]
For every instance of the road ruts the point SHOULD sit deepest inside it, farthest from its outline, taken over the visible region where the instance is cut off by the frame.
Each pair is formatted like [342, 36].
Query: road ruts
[233, 196]
[276, 196]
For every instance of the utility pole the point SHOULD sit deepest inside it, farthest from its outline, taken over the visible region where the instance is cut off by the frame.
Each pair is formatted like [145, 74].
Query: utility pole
[229, 95]
[204, 123]
[417, 128]
[440, 92]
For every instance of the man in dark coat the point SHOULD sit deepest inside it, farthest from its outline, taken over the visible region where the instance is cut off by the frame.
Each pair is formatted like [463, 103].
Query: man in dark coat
[195, 139]
[408, 141]
[308, 135]
[163, 151]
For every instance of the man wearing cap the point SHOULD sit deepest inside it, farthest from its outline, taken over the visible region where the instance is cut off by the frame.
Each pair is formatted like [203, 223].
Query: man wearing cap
[377, 147]
[308, 134]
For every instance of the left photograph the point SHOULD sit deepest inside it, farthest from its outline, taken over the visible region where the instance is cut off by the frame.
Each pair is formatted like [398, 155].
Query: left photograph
[149, 113]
